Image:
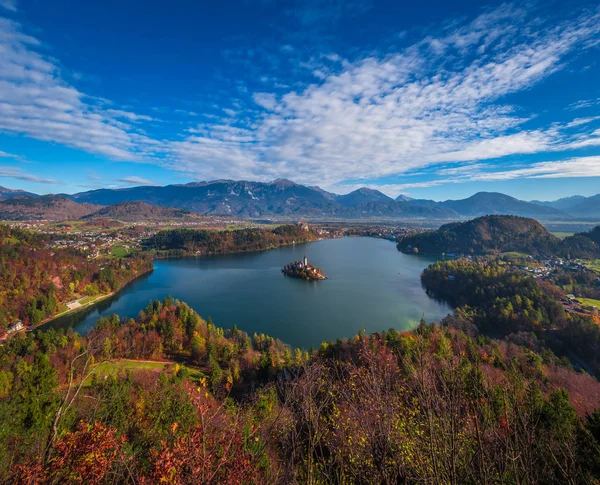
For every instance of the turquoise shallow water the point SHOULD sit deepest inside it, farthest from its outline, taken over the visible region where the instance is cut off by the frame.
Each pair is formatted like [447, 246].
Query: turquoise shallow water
[371, 285]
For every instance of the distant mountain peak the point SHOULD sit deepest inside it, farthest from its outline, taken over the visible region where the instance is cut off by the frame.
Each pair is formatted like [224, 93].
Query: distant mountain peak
[367, 190]
[6, 193]
[490, 203]
[281, 182]
[361, 196]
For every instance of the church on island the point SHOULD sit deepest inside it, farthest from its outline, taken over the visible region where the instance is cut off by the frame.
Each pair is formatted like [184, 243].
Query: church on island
[302, 269]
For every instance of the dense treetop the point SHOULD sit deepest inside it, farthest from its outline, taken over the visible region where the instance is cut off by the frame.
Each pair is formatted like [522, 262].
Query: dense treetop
[501, 234]
[432, 406]
[193, 241]
[502, 302]
[35, 281]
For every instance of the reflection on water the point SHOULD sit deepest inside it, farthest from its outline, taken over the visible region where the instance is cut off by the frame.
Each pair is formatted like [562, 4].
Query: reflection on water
[93, 312]
[371, 285]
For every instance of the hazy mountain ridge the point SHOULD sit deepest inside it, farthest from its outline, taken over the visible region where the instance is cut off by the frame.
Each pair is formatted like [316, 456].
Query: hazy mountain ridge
[361, 196]
[140, 211]
[563, 204]
[6, 194]
[490, 203]
[279, 198]
[576, 206]
[282, 198]
[45, 207]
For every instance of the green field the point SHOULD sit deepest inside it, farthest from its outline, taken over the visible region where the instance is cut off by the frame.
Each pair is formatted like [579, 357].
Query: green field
[512, 255]
[595, 265]
[562, 235]
[589, 302]
[195, 374]
[119, 252]
[114, 367]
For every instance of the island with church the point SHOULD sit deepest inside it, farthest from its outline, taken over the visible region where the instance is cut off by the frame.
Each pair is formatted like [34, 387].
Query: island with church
[301, 269]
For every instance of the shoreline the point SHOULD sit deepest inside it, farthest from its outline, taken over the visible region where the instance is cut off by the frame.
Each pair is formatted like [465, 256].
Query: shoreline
[155, 257]
[187, 254]
[92, 303]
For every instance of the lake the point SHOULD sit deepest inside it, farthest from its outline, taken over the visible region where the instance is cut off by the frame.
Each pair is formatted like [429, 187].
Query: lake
[371, 285]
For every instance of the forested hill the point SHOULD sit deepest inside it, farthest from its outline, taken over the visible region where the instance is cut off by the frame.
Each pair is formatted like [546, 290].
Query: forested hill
[140, 211]
[484, 235]
[582, 245]
[148, 401]
[50, 207]
[35, 281]
[192, 241]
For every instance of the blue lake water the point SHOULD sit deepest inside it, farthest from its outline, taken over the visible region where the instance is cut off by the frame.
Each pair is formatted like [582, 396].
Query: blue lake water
[371, 285]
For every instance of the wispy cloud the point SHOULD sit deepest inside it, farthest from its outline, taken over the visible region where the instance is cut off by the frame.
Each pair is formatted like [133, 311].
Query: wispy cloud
[442, 99]
[136, 181]
[437, 101]
[573, 167]
[10, 155]
[36, 101]
[9, 5]
[577, 167]
[18, 174]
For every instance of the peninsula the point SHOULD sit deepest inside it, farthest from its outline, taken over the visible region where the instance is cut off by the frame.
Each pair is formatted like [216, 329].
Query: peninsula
[302, 269]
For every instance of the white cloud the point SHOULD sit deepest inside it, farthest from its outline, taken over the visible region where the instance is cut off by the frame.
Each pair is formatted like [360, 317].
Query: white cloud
[37, 102]
[18, 174]
[574, 167]
[9, 155]
[577, 167]
[440, 100]
[383, 116]
[136, 181]
[265, 100]
[581, 121]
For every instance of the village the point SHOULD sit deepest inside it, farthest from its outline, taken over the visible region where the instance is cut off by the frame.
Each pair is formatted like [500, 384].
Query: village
[547, 269]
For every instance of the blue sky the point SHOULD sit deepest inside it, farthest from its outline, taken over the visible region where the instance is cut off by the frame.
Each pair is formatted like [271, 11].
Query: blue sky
[435, 99]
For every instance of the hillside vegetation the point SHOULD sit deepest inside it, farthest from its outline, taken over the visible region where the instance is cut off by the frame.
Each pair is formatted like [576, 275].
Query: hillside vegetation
[46, 207]
[497, 301]
[501, 234]
[35, 281]
[140, 212]
[193, 241]
[488, 234]
[432, 406]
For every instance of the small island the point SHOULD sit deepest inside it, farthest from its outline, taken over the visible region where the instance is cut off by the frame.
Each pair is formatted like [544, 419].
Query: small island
[301, 269]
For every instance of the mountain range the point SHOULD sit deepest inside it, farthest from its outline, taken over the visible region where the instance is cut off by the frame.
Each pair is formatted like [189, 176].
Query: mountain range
[577, 206]
[9, 193]
[283, 198]
[60, 208]
[140, 212]
[45, 207]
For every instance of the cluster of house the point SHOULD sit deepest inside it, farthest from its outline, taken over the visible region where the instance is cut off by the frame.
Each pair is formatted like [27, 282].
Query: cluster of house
[549, 265]
[92, 243]
[12, 328]
[573, 305]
